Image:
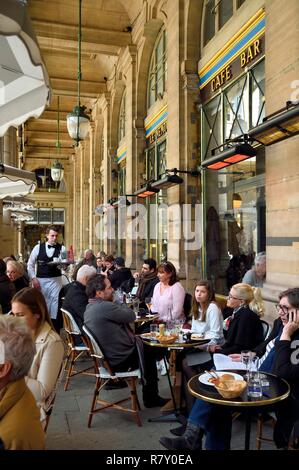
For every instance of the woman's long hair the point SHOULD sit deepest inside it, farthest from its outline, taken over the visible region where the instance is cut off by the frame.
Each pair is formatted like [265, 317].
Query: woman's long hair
[252, 297]
[35, 301]
[205, 306]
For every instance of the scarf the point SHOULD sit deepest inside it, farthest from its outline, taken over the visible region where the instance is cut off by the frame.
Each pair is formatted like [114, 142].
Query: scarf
[144, 279]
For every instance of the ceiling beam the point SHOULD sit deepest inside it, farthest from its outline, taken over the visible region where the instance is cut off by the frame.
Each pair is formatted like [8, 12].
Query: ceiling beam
[51, 29]
[69, 87]
[71, 47]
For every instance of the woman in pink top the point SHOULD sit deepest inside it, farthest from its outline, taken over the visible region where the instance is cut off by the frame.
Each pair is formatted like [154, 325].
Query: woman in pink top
[169, 294]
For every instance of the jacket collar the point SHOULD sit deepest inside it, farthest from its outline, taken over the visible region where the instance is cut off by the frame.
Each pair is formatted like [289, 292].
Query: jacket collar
[43, 333]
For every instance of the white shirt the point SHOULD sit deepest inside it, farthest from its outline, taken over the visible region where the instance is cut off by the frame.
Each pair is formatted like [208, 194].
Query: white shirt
[31, 265]
[213, 324]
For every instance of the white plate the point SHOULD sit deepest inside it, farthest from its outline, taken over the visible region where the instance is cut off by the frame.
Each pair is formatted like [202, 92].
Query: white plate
[206, 335]
[204, 378]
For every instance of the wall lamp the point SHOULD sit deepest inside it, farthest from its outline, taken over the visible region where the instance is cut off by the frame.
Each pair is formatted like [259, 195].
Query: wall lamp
[278, 126]
[232, 152]
[167, 181]
[146, 191]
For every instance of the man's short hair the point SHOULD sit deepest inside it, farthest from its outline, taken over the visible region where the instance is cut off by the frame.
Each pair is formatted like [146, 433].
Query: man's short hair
[85, 271]
[151, 263]
[19, 346]
[119, 261]
[94, 284]
[52, 227]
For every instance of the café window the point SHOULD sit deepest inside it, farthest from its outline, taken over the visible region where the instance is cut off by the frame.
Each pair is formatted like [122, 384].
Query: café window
[234, 197]
[233, 111]
[158, 71]
[122, 118]
[46, 216]
[156, 164]
[216, 13]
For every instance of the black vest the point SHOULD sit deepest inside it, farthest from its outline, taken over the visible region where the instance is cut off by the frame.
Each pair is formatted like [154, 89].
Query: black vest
[44, 269]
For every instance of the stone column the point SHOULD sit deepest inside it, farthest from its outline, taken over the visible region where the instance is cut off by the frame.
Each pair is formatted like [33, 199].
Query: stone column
[282, 179]
[131, 159]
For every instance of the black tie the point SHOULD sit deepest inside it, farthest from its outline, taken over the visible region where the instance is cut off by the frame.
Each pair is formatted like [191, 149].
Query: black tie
[51, 246]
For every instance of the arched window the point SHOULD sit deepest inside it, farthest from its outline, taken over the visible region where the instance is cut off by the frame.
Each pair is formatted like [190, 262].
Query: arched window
[122, 118]
[158, 71]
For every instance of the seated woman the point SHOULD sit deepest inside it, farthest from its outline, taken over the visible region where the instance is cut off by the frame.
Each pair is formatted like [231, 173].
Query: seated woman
[169, 294]
[244, 328]
[42, 377]
[206, 319]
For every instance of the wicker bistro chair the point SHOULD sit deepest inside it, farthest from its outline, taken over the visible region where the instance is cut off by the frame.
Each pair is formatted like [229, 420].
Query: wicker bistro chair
[74, 351]
[105, 373]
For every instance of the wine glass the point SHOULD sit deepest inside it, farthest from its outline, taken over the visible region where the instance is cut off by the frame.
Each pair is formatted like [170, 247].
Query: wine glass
[245, 357]
[148, 302]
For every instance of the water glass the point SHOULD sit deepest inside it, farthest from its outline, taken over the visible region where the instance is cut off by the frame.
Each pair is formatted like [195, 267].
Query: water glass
[264, 380]
[254, 389]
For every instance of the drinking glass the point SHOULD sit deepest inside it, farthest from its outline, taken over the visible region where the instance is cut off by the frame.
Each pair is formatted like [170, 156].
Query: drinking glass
[148, 302]
[254, 389]
[245, 357]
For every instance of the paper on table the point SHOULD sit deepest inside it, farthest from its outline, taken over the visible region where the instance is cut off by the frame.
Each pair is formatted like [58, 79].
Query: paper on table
[223, 362]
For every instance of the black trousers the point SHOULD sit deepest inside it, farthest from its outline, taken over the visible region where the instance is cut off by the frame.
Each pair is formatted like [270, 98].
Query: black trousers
[150, 388]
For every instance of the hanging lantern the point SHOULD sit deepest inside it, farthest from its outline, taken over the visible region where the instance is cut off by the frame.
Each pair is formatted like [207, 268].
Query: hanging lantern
[78, 123]
[57, 171]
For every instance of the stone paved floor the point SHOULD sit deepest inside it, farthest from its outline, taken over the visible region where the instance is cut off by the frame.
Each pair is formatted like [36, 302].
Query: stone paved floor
[112, 429]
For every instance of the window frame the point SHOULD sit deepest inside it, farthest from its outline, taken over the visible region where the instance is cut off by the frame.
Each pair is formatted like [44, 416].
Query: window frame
[156, 64]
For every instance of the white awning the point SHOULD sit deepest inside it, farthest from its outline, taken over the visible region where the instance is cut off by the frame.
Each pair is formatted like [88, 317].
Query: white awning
[24, 81]
[15, 182]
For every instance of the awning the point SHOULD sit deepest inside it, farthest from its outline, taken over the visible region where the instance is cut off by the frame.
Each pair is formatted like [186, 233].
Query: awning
[15, 182]
[24, 81]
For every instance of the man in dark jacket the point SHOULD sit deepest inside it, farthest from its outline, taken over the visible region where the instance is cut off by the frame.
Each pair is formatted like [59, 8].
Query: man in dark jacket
[109, 322]
[76, 299]
[120, 274]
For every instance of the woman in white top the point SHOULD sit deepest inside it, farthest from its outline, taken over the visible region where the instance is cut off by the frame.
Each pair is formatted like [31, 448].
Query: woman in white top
[169, 294]
[206, 315]
[42, 377]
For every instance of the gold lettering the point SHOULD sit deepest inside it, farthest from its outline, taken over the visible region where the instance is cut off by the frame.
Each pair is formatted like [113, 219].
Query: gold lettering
[243, 59]
[213, 85]
[256, 46]
[218, 83]
[249, 54]
[228, 73]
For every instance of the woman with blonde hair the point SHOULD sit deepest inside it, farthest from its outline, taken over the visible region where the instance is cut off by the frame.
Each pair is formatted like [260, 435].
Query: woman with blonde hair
[244, 329]
[30, 304]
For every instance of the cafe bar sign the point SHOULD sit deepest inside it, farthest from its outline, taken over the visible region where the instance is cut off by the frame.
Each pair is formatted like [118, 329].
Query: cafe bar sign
[242, 51]
[156, 126]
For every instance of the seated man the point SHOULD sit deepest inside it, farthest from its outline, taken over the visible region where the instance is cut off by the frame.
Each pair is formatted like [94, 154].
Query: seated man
[109, 322]
[120, 274]
[76, 299]
[279, 357]
[20, 426]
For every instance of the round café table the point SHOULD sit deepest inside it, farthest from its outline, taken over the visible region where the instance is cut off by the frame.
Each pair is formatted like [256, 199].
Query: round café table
[277, 391]
[173, 347]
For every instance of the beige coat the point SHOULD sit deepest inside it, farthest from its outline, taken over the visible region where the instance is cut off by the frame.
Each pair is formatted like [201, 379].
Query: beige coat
[44, 371]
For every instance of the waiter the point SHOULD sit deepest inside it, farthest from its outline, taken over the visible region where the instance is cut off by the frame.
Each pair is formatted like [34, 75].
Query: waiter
[45, 276]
